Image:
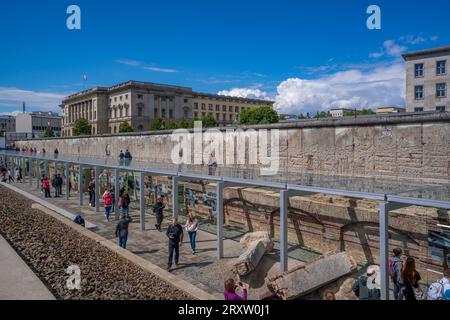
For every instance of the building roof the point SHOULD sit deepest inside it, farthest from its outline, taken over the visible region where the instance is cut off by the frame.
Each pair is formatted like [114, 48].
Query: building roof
[426, 52]
[215, 96]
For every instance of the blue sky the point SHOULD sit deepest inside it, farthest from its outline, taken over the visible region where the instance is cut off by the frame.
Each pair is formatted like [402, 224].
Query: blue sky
[305, 55]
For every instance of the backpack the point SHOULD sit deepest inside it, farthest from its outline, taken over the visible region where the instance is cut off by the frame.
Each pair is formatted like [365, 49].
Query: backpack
[393, 269]
[107, 200]
[436, 291]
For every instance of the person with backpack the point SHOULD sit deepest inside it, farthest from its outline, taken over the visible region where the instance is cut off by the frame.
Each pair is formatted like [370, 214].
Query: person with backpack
[158, 211]
[125, 203]
[107, 203]
[122, 230]
[410, 279]
[127, 157]
[365, 290]
[55, 186]
[121, 157]
[395, 268]
[440, 290]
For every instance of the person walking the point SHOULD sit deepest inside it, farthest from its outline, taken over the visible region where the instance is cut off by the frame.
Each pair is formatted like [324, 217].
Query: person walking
[158, 210]
[212, 164]
[19, 175]
[440, 290]
[10, 176]
[395, 269]
[59, 180]
[55, 186]
[91, 189]
[56, 153]
[191, 228]
[175, 234]
[232, 289]
[127, 157]
[121, 157]
[365, 290]
[410, 279]
[125, 203]
[107, 203]
[46, 187]
[122, 230]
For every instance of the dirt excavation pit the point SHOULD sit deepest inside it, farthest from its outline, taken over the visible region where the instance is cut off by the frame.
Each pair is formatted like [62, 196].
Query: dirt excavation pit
[50, 247]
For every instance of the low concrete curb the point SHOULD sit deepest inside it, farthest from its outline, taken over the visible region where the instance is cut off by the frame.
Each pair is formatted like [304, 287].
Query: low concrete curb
[140, 262]
[47, 204]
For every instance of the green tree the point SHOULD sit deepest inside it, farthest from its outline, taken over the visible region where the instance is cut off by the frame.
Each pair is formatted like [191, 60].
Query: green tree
[367, 112]
[208, 121]
[184, 124]
[82, 127]
[260, 115]
[125, 127]
[157, 124]
[49, 133]
[301, 116]
[172, 125]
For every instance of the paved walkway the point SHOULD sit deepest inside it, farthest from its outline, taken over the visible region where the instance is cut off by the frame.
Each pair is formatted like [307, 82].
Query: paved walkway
[17, 280]
[203, 269]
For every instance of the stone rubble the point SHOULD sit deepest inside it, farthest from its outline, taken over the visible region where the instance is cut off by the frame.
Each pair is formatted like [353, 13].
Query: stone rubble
[49, 247]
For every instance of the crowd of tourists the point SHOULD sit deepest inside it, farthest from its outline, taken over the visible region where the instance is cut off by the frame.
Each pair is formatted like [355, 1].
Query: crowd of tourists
[405, 279]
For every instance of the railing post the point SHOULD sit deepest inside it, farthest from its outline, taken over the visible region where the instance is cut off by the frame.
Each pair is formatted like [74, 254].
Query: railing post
[142, 201]
[219, 218]
[97, 189]
[284, 202]
[175, 196]
[30, 169]
[384, 248]
[116, 194]
[80, 185]
[67, 178]
[38, 173]
[46, 168]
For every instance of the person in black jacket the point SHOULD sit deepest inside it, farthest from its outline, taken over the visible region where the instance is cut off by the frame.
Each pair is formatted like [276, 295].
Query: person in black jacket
[410, 279]
[158, 210]
[175, 235]
[122, 230]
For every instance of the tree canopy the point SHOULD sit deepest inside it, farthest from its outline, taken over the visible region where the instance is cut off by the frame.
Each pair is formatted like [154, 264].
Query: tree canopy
[125, 127]
[260, 115]
[49, 133]
[208, 121]
[82, 127]
[157, 124]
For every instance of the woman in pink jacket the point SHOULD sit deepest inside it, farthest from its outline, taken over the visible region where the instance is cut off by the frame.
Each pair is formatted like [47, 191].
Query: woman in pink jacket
[230, 291]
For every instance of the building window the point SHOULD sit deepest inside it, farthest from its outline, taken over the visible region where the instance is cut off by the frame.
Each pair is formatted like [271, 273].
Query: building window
[120, 112]
[115, 99]
[203, 106]
[440, 67]
[210, 107]
[418, 109]
[140, 127]
[196, 115]
[203, 114]
[163, 113]
[441, 90]
[155, 113]
[139, 111]
[418, 92]
[440, 109]
[236, 109]
[231, 117]
[170, 113]
[224, 108]
[418, 70]
[196, 105]
[217, 116]
[140, 96]
[217, 107]
[126, 97]
[230, 108]
[185, 100]
[224, 117]
[120, 98]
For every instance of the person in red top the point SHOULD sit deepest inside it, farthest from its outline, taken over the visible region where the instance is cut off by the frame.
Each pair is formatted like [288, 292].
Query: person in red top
[107, 203]
[46, 187]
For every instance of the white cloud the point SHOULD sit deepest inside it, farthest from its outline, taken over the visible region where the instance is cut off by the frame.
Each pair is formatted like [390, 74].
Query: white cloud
[382, 85]
[246, 93]
[13, 97]
[12, 113]
[421, 38]
[165, 70]
[129, 62]
[393, 49]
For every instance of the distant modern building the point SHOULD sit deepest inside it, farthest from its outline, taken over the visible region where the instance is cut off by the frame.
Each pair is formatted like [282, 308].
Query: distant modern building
[340, 112]
[390, 110]
[427, 80]
[35, 123]
[139, 103]
[7, 124]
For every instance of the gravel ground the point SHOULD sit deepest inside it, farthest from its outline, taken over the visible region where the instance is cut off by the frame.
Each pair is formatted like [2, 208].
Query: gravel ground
[49, 247]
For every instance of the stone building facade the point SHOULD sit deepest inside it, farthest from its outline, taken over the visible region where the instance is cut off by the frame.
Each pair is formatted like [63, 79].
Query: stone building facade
[427, 80]
[139, 103]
